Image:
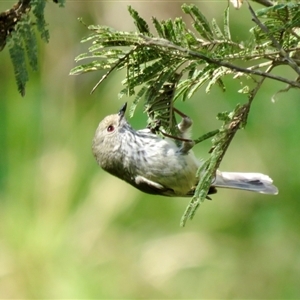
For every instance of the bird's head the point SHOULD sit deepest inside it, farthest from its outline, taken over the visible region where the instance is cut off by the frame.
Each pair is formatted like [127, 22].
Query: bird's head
[108, 136]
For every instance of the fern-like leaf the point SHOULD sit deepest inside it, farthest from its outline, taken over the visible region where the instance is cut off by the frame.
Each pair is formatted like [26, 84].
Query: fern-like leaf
[139, 22]
[200, 22]
[38, 11]
[226, 24]
[17, 55]
[30, 42]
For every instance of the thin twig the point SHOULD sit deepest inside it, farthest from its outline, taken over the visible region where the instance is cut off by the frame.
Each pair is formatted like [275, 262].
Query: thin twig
[113, 68]
[264, 28]
[264, 2]
[284, 90]
[206, 136]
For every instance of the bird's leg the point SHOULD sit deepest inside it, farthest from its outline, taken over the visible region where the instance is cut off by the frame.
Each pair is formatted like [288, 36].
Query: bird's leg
[185, 123]
[183, 126]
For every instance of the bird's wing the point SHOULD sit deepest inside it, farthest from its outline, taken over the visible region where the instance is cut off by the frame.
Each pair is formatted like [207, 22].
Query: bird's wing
[212, 190]
[148, 186]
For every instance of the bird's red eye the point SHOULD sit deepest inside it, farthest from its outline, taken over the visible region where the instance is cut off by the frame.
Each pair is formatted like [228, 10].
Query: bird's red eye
[110, 128]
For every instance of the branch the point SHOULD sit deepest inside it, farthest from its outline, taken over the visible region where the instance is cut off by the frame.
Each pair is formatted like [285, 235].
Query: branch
[9, 19]
[283, 53]
[190, 53]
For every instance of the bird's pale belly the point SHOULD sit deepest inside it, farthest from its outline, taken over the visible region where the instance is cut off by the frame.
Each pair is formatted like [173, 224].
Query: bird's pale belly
[176, 172]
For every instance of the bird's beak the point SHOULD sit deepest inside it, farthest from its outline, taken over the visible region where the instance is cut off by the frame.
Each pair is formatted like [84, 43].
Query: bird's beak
[122, 110]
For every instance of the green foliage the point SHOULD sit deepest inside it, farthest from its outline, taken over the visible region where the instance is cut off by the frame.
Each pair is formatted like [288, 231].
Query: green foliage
[282, 21]
[38, 8]
[30, 41]
[22, 41]
[176, 61]
[17, 54]
[140, 23]
[232, 121]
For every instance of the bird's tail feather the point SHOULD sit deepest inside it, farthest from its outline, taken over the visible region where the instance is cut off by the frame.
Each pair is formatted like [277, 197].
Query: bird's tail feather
[254, 182]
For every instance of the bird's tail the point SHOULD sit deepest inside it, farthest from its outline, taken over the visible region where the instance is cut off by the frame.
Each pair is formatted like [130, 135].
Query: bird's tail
[254, 182]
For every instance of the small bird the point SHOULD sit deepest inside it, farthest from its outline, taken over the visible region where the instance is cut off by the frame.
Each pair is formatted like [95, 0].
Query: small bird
[158, 165]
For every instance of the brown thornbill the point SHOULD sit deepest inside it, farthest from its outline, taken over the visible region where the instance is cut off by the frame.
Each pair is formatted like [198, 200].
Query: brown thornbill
[157, 165]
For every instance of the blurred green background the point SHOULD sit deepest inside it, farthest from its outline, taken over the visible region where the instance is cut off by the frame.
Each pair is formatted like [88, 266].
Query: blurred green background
[69, 230]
